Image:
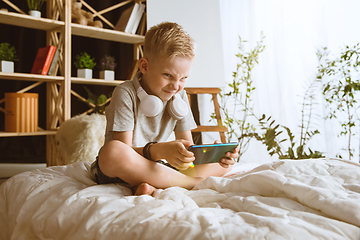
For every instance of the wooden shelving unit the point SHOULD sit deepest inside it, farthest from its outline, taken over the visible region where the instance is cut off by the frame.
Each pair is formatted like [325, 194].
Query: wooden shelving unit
[59, 34]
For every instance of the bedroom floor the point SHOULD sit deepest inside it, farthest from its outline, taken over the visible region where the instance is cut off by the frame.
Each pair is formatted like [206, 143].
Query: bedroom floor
[8, 170]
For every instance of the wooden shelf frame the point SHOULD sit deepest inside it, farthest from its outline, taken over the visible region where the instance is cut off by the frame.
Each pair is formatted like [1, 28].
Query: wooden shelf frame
[57, 24]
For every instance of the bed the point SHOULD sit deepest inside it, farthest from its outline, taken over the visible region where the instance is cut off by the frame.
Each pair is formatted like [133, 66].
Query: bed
[285, 199]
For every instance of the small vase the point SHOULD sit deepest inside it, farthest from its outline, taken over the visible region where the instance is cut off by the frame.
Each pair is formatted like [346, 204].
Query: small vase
[35, 13]
[84, 73]
[107, 75]
[21, 112]
[6, 66]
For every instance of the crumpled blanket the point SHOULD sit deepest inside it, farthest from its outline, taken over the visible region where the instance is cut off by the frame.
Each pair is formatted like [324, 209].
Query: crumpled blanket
[287, 199]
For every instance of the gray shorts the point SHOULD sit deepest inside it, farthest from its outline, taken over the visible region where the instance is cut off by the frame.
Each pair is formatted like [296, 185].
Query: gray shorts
[101, 178]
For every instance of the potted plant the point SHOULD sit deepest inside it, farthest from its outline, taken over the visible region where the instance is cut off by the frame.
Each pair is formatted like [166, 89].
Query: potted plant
[7, 57]
[84, 65]
[107, 66]
[34, 7]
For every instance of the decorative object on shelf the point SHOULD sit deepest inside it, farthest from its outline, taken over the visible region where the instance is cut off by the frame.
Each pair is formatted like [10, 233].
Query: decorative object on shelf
[7, 57]
[84, 65]
[34, 7]
[43, 60]
[97, 103]
[83, 17]
[107, 66]
[21, 112]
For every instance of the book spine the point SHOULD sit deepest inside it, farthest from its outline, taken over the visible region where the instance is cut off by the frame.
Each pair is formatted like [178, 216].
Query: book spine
[130, 23]
[137, 18]
[48, 60]
[54, 62]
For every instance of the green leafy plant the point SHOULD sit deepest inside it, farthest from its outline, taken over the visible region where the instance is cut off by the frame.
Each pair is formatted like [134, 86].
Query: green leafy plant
[341, 89]
[244, 129]
[83, 60]
[272, 136]
[107, 63]
[7, 52]
[97, 103]
[238, 94]
[35, 4]
[272, 133]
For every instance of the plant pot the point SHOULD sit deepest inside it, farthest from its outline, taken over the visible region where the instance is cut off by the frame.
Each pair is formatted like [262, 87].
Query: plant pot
[6, 66]
[21, 112]
[35, 13]
[107, 75]
[84, 73]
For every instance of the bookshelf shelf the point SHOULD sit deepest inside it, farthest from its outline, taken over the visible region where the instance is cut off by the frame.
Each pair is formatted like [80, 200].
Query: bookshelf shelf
[31, 77]
[23, 20]
[96, 81]
[105, 34]
[38, 133]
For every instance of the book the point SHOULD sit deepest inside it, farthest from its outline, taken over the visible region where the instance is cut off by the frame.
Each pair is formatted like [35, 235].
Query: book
[43, 60]
[54, 62]
[130, 23]
[137, 18]
[142, 26]
[125, 17]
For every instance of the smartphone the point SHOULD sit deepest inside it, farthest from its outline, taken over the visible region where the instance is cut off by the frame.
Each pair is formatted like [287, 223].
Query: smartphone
[211, 153]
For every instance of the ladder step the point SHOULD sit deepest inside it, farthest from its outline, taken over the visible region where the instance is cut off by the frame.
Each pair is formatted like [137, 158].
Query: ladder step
[209, 129]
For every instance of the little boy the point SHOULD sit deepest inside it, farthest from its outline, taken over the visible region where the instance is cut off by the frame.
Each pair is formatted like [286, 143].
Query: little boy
[144, 112]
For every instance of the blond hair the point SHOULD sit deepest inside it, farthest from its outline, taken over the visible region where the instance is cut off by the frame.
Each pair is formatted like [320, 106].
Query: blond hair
[168, 40]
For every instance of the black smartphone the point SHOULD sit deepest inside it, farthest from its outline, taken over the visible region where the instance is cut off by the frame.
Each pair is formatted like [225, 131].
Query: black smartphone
[211, 153]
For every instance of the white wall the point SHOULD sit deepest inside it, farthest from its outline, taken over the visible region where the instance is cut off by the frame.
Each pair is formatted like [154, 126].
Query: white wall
[201, 19]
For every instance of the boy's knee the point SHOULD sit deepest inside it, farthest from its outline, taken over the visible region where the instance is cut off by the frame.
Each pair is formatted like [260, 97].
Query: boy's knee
[112, 154]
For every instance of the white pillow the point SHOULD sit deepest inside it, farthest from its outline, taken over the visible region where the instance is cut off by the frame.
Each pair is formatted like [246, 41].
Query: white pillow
[81, 137]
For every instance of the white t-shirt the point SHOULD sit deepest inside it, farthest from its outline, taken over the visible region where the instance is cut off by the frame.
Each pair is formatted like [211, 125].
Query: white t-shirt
[123, 114]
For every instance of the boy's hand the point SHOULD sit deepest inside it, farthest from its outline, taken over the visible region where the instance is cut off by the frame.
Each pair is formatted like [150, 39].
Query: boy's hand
[226, 162]
[177, 155]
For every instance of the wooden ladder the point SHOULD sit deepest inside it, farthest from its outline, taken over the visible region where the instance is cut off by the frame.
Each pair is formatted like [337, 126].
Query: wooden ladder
[205, 128]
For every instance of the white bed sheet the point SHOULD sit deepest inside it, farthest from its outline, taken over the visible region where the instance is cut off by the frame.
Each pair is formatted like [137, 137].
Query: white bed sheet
[302, 199]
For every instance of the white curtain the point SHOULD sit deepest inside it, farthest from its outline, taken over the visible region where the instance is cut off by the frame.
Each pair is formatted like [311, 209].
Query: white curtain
[294, 31]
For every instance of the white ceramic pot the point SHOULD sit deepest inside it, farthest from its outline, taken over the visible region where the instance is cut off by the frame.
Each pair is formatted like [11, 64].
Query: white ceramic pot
[84, 73]
[107, 75]
[35, 13]
[6, 66]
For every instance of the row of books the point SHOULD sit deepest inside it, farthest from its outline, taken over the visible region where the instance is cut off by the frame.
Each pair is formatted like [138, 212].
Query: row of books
[46, 60]
[132, 18]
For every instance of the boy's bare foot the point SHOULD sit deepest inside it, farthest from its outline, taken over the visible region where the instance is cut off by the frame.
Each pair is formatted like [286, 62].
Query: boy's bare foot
[144, 189]
[147, 189]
